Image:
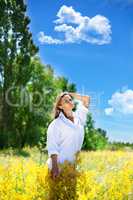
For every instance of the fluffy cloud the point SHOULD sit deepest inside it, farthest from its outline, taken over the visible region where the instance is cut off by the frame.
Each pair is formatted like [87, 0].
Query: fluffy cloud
[78, 28]
[47, 39]
[121, 102]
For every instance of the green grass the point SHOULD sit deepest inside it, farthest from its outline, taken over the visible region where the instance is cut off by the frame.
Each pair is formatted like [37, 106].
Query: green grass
[25, 153]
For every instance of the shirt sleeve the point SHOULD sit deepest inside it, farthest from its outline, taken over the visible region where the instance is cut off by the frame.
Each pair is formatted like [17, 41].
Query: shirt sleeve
[81, 112]
[52, 144]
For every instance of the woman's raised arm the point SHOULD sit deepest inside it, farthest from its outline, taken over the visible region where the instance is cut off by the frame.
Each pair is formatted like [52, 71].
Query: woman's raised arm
[82, 107]
[85, 99]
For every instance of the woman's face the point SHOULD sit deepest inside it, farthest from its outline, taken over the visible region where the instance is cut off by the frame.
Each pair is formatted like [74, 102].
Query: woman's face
[67, 103]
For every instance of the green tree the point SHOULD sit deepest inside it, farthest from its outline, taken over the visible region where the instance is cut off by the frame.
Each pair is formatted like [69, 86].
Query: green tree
[34, 115]
[16, 50]
[94, 138]
[63, 84]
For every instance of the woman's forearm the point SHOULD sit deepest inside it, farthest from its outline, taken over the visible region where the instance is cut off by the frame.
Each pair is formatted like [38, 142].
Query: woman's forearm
[84, 99]
[54, 160]
[55, 169]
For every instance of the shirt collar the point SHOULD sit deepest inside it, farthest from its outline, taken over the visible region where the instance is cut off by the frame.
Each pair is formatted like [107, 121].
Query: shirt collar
[64, 118]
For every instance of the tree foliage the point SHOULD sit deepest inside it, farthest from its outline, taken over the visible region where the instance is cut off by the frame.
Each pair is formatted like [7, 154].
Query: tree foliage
[94, 138]
[16, 50]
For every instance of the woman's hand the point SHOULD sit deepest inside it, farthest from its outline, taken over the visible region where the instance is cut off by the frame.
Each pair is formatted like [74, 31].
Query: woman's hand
[55, 172]
[55, 168]
[86, 100]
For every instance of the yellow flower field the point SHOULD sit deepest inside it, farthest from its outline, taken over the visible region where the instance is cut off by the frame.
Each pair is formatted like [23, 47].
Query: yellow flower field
[101, 175]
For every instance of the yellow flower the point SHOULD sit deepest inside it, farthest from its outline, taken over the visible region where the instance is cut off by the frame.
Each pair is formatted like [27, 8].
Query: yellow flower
[101, 175]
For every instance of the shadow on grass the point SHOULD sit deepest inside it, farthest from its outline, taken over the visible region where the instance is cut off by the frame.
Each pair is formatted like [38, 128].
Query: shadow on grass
[21, 153]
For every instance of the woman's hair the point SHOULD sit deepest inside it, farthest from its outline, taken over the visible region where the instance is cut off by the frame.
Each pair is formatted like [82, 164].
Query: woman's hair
[57, 110]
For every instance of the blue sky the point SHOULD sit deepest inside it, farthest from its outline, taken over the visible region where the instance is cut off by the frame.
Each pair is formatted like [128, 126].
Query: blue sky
[91, 43]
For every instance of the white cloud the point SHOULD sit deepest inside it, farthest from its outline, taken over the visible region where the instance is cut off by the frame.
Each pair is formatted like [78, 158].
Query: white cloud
[78, 28]
[68, 15]
[47, 39]
[121, 102]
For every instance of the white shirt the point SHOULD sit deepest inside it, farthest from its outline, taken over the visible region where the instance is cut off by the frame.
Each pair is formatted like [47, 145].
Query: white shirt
[64, 137]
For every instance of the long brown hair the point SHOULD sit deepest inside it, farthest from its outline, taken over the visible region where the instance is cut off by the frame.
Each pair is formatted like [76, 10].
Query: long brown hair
[57, 110]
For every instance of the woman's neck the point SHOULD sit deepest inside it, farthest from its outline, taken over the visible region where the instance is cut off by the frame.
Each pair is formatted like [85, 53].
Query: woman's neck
[69, 115]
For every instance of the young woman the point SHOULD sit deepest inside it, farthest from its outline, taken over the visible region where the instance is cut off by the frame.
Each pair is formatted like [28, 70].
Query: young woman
[65, 133]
